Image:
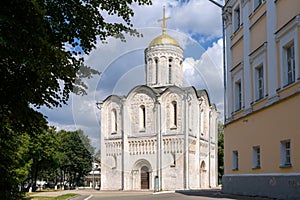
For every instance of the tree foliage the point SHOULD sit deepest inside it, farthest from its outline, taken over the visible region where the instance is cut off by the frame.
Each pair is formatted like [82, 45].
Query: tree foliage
[42, 49]
[76, 157]
[97, 156]
[41, 42]
[220, 151]
[63, 157]
[42, 150]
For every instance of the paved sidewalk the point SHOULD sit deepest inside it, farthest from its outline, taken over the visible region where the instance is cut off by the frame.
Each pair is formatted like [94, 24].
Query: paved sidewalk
[90, 191]
[205, 193]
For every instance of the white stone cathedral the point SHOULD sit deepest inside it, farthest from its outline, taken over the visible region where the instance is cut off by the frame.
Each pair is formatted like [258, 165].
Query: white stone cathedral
[160, 136]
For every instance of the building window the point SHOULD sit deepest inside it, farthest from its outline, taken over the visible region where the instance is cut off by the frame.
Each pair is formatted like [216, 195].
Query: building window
[174, 115]
[150, 71]
[257, 3]
[156, 70]
[256, 157]
[114, 124]
[202, 122]
[170, 70]
[235, 160]
[142, 118]
[238, 95]
[289, 64]
[236, 18]
[259, 73]
[174, 159]
[285, 153]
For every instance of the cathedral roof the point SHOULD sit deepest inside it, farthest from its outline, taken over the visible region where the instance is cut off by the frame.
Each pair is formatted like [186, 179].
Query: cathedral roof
[155, 92]
[163, 39]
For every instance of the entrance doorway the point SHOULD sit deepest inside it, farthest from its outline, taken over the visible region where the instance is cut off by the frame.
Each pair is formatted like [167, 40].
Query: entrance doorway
[144, 177]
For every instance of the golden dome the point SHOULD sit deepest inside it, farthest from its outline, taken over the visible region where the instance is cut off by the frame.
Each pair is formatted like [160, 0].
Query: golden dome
[163, 39]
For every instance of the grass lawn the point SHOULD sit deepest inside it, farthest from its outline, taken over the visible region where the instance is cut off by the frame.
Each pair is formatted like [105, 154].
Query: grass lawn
[61, 197]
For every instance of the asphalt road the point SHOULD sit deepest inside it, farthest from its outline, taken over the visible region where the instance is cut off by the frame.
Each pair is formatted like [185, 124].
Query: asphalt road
[189, 195]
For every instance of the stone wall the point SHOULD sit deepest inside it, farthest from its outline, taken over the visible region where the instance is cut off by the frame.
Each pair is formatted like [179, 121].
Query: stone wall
[281, 186]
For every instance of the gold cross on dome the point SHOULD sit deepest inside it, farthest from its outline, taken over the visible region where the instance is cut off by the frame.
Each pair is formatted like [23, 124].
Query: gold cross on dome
[164, 19]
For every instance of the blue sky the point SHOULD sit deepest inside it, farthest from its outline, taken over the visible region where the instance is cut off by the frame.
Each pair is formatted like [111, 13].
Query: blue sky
[195, 24]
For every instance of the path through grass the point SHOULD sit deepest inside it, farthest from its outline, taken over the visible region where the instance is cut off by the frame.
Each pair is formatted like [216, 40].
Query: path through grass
[61, 197]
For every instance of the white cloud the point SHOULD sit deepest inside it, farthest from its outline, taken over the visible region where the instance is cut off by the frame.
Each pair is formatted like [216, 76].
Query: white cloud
[191, 17]
[60, 126]
[215, 53]
[207, 73]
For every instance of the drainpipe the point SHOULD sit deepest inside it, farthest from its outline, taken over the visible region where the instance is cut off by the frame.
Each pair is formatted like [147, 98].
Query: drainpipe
[209, 147]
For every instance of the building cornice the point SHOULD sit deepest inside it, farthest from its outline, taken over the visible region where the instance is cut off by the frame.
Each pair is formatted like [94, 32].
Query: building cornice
[294, 22]
[257, 52]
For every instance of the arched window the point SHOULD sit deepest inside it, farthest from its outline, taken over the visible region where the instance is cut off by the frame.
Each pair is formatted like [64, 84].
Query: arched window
[170, 70]
[114, 122]
[174, 115]
[202, 122]
[150, 69]
[142, 118]
[174, 159]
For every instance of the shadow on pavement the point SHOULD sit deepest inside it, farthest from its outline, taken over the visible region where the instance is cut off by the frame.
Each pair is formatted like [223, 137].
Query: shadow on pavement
[217, 194]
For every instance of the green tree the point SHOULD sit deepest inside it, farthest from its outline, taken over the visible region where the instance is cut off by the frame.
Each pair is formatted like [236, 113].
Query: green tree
[14, 162]
[220, 150]
[42, 48]
[97, 156]
[42, 152]
[14, 147]
[77, 156]
[55, 154]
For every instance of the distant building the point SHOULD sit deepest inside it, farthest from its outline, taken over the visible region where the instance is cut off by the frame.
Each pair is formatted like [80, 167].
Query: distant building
[262, 134]
[160, 135]
[93, 179]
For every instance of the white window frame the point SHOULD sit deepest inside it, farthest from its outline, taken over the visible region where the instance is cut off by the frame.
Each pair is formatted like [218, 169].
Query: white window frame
[290, 62]
[114, 121]
[287, 40]
[238, 93]
[150, 71]
[202, 122]
[258, 83]
[142, 118]
[256, 155]
[258, 60]
[257, 3]
[237, 17]
[238, 98]
[235, 160]
[285, 153]
[173, 115]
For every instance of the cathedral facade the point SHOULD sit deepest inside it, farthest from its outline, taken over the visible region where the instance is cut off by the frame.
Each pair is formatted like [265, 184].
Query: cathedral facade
[161, 135]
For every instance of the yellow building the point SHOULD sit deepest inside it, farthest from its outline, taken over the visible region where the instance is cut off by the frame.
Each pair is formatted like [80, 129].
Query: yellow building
[262, 109]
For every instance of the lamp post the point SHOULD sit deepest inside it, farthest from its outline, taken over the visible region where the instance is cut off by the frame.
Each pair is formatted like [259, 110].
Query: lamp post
[93, 176]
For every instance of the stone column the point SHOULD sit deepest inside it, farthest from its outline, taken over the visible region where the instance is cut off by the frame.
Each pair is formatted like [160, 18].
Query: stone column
[159, 143]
